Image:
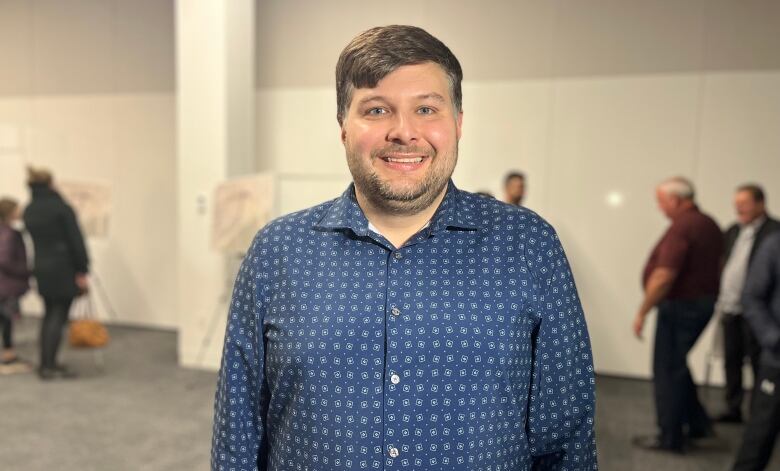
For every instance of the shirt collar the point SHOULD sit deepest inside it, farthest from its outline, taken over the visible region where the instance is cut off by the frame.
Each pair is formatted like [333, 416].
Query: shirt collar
[756, 224]
[453, 212]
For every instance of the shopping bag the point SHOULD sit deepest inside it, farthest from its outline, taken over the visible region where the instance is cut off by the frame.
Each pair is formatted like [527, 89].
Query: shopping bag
[85, 330]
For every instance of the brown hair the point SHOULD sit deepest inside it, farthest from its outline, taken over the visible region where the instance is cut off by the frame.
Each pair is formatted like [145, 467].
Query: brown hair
[377, 52]
[755, 191]
[7, 208]
[509, 176]
[39, 176]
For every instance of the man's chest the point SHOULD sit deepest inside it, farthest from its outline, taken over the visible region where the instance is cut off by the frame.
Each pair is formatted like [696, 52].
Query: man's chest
[436, 303]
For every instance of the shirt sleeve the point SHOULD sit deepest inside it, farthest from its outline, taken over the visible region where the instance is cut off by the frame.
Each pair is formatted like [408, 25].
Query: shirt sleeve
[761, 281]
[238, 442]
[673, 250]
[562, 402]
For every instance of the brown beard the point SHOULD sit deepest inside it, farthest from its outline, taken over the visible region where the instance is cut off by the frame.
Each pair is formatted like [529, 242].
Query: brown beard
[401, 202]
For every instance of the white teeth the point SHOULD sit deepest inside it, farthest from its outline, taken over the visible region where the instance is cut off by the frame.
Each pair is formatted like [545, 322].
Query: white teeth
[416, 160]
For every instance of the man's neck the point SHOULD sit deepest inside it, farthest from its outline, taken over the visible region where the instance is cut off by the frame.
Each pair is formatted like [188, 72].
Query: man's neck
[686, 206]
[397, 228]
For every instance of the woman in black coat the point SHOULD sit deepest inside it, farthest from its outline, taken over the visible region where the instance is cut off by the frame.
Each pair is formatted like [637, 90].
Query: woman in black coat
[61, 264]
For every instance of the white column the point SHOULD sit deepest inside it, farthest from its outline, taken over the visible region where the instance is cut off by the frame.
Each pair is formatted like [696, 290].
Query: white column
[215, 139]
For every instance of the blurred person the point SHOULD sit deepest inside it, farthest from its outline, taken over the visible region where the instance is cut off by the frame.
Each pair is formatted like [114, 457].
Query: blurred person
[60, 265]
[761, 305]
[14, 275]
[514, 188]
[405, 305]
[681, 280]
[742, 241]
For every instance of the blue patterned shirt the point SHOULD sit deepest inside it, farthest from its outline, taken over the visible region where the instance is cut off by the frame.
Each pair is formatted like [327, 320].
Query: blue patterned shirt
[465, 349]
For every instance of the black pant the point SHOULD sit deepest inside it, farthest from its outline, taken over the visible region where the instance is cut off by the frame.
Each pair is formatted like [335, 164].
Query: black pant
[8, 308]
[763, 426]
[739, 342]
[51, 329]
[680, 322]
[6, 325]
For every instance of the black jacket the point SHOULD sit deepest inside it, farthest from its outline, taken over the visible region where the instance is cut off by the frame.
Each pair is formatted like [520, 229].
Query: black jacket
[761, 299]
[60, 252]
[730, 237]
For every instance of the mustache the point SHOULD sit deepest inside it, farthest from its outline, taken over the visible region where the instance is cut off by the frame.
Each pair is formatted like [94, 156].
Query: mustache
[398, 149]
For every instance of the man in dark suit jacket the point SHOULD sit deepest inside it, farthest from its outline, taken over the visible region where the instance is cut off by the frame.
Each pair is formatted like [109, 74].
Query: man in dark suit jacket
[742, 240]
[761, 300]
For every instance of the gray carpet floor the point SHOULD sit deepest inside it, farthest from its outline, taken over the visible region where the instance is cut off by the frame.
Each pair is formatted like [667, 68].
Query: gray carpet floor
[140, 411]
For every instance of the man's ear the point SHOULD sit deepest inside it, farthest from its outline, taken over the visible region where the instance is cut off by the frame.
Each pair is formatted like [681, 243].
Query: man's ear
[459, 123]
[343, 135]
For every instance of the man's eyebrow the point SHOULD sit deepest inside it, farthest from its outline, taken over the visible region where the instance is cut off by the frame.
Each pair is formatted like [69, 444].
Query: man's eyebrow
[424, 96]
[432, 96]
[371, 98]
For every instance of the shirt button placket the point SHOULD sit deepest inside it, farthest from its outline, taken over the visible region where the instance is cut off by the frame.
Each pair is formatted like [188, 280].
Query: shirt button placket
[395, 337]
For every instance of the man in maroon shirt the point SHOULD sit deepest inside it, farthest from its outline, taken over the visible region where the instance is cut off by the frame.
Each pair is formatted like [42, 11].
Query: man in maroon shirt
[681, 279]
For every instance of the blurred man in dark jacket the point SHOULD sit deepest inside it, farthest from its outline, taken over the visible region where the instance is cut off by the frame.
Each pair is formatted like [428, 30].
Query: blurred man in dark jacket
[742, 241]
[761, 303]
[61, 264]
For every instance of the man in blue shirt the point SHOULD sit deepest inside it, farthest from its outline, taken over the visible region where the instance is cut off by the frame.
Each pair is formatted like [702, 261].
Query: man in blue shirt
[406, 324]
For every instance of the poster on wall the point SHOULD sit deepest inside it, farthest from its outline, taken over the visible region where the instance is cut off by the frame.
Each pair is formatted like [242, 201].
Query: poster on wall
[241, 207]
[92, 203]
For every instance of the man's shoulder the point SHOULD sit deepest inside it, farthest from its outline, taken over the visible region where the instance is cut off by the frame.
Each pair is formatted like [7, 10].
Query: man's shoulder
[697, 223]
[771, 225]
[295, 224]
[489, 210]
[494, 215]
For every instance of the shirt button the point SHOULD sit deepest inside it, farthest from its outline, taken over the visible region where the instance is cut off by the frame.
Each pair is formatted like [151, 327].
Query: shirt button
[398, 255]
[395, 379]
[395, 311]
[393, 452]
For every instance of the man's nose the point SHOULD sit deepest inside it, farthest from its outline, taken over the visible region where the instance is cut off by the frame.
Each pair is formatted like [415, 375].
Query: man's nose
[403, 129]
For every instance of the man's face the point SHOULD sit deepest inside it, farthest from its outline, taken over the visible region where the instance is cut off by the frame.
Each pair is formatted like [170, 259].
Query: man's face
[401, 138]
[515, 188]
[668, 204]
[748, 209]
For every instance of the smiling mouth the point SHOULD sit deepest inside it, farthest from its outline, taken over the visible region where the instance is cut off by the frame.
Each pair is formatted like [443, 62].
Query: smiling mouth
[404, 160]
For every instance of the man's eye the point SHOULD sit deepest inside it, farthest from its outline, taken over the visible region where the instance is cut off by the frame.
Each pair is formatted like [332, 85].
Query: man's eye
[376, 111]
[426, 110]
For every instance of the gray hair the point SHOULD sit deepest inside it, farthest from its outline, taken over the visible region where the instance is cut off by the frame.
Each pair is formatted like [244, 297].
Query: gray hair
[680, 187]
